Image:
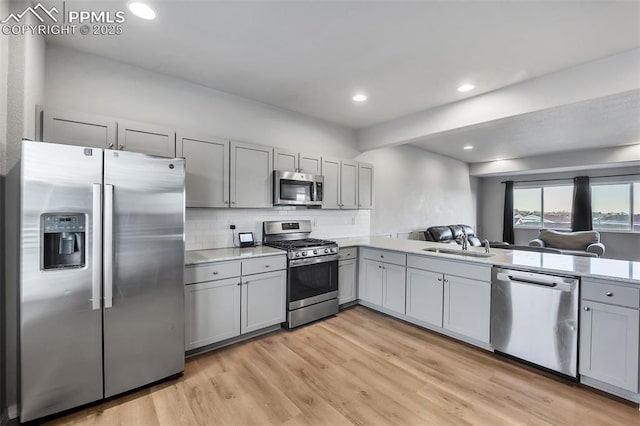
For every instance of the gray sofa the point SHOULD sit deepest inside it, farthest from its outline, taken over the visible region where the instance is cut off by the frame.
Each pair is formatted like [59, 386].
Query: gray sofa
[579, 243]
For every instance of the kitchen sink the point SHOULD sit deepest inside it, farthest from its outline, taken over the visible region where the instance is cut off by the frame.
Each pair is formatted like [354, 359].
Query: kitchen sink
[459, 252]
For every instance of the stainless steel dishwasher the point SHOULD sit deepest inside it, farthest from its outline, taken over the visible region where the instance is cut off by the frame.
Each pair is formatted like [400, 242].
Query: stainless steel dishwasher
[534, 317]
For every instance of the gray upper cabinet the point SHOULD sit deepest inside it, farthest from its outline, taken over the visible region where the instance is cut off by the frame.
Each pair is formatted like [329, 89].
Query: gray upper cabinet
[365, 186]
[296, 162]
[207, 170]
[146, 138]
[467, 307]
[609, 344]
[340, 184]
[251, 184]
[75, 128]
[285, 161]
[311, 164]
[348, 185]
[331, 173]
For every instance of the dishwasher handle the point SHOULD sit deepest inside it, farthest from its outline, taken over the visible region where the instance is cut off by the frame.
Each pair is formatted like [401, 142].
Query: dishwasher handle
[551, 282]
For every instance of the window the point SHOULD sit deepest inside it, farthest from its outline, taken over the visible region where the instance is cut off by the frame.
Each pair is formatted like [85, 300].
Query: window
[611, 206]
[551, 204]
[556, 202]
[527, 207]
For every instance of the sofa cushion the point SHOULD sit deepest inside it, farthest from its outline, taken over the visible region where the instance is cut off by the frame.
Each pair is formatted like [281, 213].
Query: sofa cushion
[440, 233]
[569, 240]
[456, 231]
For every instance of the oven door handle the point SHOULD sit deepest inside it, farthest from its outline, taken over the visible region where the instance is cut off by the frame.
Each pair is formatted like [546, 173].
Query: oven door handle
[313, 260]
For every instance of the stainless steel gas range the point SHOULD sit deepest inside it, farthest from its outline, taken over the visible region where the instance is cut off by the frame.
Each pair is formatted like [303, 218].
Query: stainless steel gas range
[312, 278]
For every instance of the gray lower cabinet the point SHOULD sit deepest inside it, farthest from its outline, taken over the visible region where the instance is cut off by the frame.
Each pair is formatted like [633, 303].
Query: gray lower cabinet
[394, 287]
[609, 344]
[207, 170]
[370, 281]
[263, 300]
[346, 281]
[75, 128]
[251, 184]
[382, 284]
[425, 293]
[227, 299]
[146, 139]
[212, 312]
[467, 307]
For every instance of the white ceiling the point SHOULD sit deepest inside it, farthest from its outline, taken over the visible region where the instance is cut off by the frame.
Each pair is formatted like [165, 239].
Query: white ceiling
[607, 121]
[311, 57]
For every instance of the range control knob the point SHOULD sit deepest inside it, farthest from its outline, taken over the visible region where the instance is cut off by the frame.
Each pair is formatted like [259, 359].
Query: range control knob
[297, 254]
[304, 253]
[326, 250]
[315, 252]
[334, 250]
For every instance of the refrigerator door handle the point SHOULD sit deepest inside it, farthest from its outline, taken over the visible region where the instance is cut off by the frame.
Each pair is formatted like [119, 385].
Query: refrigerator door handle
[96, 252]
[108, 246]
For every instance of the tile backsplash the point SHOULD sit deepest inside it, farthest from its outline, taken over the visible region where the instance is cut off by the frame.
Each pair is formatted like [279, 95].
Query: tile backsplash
[209, 228]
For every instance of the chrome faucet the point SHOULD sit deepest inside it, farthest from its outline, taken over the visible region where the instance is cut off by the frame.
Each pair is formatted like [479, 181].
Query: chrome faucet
[465, 241]
[487, 246]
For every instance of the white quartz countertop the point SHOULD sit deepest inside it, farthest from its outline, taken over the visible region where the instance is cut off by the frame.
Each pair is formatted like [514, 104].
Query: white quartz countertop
[605, 269]
[194, 257]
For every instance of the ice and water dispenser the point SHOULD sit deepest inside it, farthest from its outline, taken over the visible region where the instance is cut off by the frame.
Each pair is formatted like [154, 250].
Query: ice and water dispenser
[63, 240]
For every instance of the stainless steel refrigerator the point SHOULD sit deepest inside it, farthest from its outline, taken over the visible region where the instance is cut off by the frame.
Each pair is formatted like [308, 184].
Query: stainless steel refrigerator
[101, 285]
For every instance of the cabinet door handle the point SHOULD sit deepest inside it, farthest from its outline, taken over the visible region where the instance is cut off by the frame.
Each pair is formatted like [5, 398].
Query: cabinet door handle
[266, 266]
[110, 146]
[446, 280]
[121, 147]
[586, 308]
[359, 205]
[379, 266]
[226, 202]
[239, 283]
[608, 294]
[233, 202]
[246, 282]
[440, 279]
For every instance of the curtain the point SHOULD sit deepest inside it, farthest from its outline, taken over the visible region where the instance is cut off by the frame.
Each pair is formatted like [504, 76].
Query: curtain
[507, 226]
[581, 216]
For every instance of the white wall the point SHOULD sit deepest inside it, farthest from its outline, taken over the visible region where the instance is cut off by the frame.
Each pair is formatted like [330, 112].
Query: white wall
[619, 245]
[82, 82]
[209, 228]
[613, 74]
[415, 189]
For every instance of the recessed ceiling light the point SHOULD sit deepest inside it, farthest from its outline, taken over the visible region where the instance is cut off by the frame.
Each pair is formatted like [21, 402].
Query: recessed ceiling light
[359, 97]
[142, 10]
[467, 147]
[466, 87]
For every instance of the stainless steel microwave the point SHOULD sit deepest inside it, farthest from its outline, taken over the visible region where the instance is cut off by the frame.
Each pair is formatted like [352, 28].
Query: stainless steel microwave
[297, 189]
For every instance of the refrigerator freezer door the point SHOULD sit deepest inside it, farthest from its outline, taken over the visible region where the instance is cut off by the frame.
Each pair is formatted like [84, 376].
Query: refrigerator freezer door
[60, 314]
[144, 325]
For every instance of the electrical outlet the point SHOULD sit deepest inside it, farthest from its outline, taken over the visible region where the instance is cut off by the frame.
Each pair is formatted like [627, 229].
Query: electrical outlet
[232, 227]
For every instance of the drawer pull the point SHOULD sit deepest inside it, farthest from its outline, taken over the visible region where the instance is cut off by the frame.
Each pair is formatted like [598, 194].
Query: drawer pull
[608, 294]
[215, 272]
[266, 266]
[381, 257]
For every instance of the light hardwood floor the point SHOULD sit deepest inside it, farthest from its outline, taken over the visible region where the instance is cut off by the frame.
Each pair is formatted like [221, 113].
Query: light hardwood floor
[359, 367]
